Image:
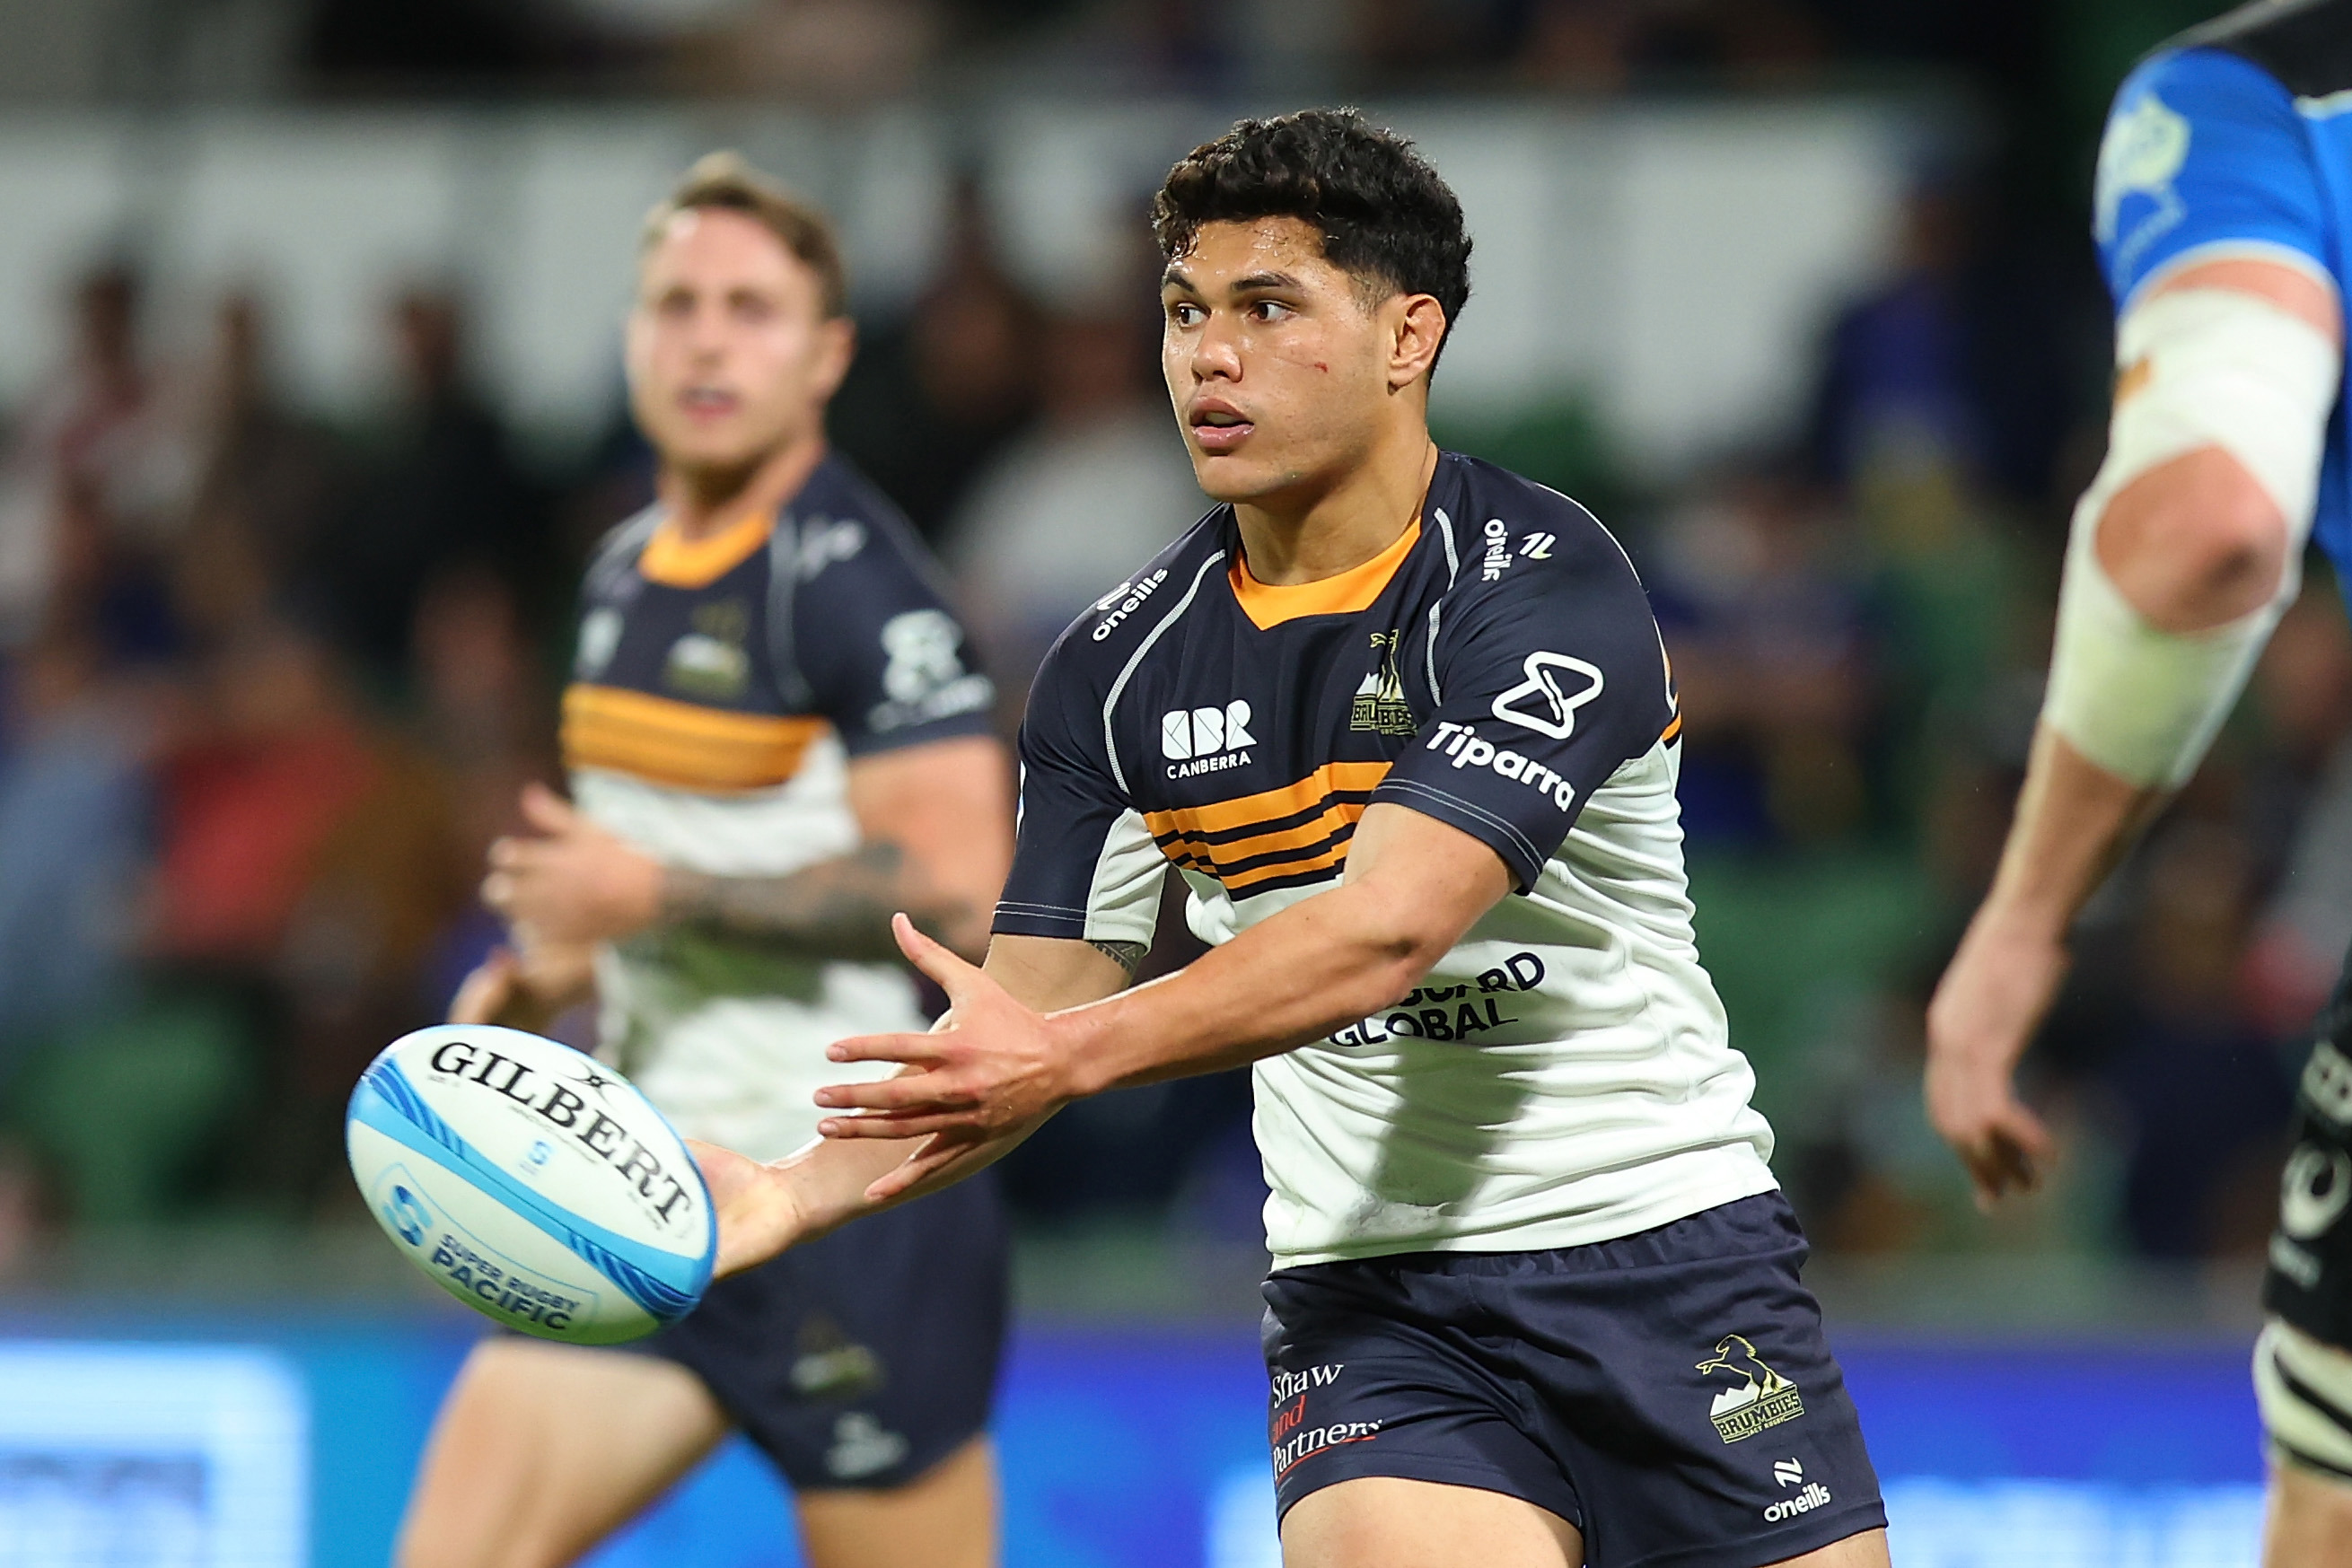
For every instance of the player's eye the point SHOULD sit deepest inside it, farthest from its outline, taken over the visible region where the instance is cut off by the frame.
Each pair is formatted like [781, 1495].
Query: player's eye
[1270, 310]
[1185, 314]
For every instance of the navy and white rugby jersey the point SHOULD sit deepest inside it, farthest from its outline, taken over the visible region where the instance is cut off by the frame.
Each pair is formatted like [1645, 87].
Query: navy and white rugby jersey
[1563, 1076]
[721, 687]
[2235, 140]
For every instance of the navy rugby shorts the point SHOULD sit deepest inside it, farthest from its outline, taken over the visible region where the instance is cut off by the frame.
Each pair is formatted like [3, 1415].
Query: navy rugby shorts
[1669, 1393]
[864, 1358]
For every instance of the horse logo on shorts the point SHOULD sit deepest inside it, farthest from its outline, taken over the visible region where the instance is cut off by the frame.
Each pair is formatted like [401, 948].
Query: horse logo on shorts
[1764, 1398]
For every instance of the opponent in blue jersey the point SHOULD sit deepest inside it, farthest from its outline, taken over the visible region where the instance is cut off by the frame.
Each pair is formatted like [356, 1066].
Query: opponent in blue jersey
[2224, 189]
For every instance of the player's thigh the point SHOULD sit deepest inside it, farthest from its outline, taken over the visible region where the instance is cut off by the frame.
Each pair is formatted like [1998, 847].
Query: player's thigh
[944, 1518]
[1865, 1549]
[541, 1450]
[1386, 1521]
[2310, 1521]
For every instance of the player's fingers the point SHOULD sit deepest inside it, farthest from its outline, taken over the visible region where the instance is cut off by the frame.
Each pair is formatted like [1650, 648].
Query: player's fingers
[882, 1048]
[487, 990]
[905, 1091]
[952, 974]
[545, 809]
[937, 1155]
[900, 1125]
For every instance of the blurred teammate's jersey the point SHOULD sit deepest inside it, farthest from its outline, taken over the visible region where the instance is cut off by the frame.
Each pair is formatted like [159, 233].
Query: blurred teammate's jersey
[2235, 140]
[1562, 1076]
[721, 688]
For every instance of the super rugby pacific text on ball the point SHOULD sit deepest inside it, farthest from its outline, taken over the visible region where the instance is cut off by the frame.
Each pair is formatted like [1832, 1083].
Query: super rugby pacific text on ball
[533, 1183]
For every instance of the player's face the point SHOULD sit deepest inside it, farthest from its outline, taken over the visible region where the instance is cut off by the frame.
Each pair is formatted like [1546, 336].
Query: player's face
[1282, 371]
[730, 354]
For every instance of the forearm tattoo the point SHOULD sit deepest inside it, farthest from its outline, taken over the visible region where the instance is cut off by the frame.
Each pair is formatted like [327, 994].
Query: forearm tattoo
[1125, 955]
[839, 908]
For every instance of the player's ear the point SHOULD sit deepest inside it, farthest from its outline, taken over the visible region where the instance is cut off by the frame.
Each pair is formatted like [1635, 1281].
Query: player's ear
[1418, 327]
[838, 347]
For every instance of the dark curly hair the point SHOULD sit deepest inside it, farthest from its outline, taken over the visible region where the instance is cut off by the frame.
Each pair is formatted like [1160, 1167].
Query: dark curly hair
[1384, 215]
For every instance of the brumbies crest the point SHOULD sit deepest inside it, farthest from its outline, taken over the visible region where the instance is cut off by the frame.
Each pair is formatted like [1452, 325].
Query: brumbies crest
[1762, 1397]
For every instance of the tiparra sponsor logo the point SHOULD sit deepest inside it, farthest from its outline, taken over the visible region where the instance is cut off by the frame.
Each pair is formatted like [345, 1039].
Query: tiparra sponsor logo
[557, 1105]
[1763, 1398]
[1205, 739]
[1462, 743]
[1538, 704]
[925, 678]
[1124, 600]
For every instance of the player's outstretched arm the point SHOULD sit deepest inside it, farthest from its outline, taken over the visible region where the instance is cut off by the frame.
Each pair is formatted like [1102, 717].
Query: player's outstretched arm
[935, 821]
[1414, 886]
[764, 1208]
[2184, 554]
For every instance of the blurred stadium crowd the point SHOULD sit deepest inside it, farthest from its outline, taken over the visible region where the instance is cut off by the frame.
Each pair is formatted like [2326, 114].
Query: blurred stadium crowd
[270, 685]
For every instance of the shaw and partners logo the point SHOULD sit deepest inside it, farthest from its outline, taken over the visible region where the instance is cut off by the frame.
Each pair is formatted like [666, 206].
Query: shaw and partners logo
[1290, 1436]
[1205, 739]
[1763, 1398]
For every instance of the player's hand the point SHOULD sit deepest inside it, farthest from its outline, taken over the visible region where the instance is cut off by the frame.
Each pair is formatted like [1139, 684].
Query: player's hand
[525, 987]
[995, 1068]
[489, 994]
[1984, 1013]
[571, 883]
[758, 1215]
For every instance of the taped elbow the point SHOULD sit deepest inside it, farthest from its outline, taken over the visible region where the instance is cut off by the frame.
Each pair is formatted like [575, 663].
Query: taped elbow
[2195, 543]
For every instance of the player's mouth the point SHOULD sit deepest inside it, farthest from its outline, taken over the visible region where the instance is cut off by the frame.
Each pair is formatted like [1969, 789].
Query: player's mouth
[708, 403]
[1218, 427]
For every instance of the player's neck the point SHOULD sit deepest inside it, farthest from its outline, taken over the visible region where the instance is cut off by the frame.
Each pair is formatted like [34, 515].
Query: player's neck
[701, 501]
[1307, 535]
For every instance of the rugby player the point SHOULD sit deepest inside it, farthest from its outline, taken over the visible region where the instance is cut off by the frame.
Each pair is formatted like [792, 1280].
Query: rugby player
[1404, 723]
[774, 743]
[2221, 220]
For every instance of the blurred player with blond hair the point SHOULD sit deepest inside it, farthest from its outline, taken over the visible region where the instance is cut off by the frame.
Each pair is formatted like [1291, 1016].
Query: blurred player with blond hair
[774, 743]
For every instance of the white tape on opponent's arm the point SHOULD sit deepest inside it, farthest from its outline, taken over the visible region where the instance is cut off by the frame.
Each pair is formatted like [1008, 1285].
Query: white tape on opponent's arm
[2218, 367]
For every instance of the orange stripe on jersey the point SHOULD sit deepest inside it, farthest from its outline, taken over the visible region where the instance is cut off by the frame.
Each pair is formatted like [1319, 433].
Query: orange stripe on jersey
[1288, 800]
[1269, 604]
[680, 745]
[675, 561]
[1307, 826]
[1674, 729]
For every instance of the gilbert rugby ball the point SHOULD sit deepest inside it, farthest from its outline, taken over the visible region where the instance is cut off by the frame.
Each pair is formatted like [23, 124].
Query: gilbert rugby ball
[533, 1183]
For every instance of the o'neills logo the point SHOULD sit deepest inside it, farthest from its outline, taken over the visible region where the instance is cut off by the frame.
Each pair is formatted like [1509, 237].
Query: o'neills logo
[1764, 1398]
[1815, 1495]
[556, 1104]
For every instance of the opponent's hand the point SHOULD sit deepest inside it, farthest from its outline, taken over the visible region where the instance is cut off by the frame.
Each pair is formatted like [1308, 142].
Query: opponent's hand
[996, 1067]
[758, 1216]
[1984, 1013]
[572, 884]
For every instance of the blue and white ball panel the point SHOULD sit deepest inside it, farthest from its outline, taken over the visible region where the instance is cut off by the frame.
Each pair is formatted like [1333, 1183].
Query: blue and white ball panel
[533, 1183]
